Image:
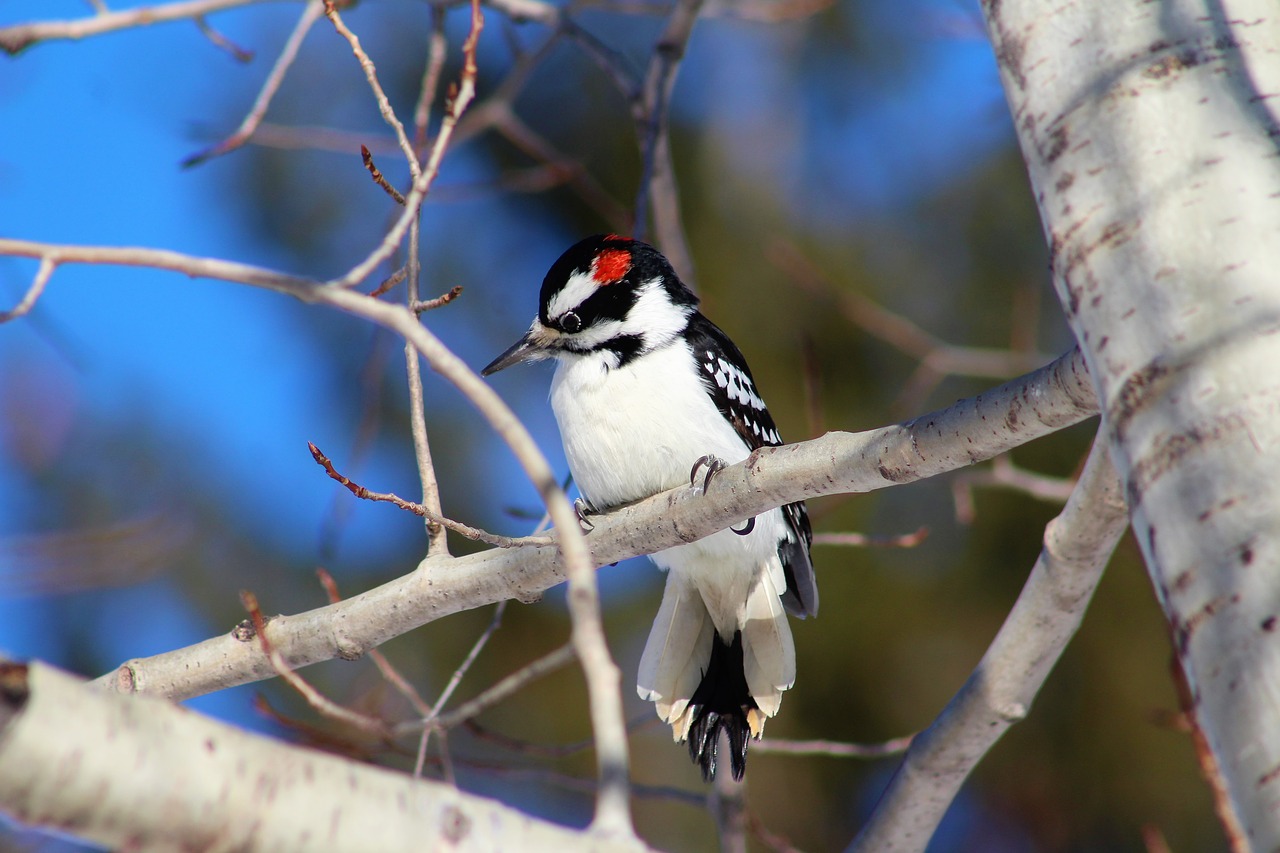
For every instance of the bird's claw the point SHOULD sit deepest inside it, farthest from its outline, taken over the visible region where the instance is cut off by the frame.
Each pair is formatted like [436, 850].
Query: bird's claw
[714, 466]
[582, 508]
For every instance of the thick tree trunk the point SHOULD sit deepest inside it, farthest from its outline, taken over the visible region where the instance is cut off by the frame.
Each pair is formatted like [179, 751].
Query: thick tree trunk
[1151, 138]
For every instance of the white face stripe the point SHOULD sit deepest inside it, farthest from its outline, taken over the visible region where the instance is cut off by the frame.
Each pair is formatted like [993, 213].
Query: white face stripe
[654, 317]
[576, 290]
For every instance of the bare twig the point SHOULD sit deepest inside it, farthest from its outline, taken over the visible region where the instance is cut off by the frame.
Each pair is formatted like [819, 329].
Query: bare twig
[437, 537]
[420, 306]
[237, 52]
[421, 511]
[389, 672]
[371, 75]
[833, 748]
[1003, 473]
[499, 692]
[390, 281]
[314, 697]
[377, 175]
[455, 680]
[289, 53]
[862, 540]
[21, 36]
[463, 96]
[304, 137]
[658, 180]
[938, 359]
[1077, 546]
[437, 47]
[43, 274]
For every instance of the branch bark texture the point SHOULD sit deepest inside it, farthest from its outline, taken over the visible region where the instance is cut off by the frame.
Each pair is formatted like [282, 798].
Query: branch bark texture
[1151, 136]
[969, 431]
[142, 774]
[1077, 546]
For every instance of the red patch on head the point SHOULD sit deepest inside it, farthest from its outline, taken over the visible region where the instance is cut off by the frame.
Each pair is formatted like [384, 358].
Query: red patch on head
[610, 266]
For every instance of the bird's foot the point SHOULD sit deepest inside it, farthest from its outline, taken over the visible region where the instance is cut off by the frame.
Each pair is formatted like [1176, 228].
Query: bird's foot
[582, 508]
[714, 465]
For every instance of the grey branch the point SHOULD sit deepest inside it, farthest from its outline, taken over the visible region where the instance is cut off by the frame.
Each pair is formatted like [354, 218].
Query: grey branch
[193, 783]
[969, 431]
[1077, 545]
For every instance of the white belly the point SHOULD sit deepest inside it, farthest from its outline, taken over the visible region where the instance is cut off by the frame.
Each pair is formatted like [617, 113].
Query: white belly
[637, 430]
[632, 432]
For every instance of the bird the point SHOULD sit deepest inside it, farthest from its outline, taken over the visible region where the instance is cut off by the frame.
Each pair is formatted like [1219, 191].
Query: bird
[648, 395]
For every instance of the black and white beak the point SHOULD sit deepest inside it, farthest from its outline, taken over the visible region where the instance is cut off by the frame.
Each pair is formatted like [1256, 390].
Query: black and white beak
[534, 346]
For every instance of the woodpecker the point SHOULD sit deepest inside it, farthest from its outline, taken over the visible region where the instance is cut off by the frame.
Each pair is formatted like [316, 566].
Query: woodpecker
[648, 393]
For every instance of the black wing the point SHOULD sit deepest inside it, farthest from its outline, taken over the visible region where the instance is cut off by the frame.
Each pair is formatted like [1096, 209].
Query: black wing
[728, 380]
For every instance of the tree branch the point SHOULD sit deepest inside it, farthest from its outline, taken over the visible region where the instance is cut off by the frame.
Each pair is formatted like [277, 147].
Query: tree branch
[15, 39]
[198, 784]
[971, 430]
[1077, 545]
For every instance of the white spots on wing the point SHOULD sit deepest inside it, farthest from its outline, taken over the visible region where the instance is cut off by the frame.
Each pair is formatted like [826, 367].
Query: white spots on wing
[740, 387]
[745, 404]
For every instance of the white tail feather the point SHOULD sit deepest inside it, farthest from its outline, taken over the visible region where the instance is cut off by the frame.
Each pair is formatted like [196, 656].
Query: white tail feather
[677, 651]
[769, 654]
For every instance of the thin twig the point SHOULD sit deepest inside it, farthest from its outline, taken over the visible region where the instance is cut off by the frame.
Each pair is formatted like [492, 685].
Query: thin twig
[270, 86]
[220, 41]
[862, 540]
[422, 305]
[463, 96]
[314, 698]
[421, 511]
[390, 282]
[437, 49]
[833, 748]
[21, 36]
[28, 301]
[1003, 473]
[937, 358]
[371, 75]
[499, 692]
[455, 680]
[377, 175]
[388, 671]
[658, 180]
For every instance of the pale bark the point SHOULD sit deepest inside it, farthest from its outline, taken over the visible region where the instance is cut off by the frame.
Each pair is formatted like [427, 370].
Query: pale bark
[969, 431]
[1077, 545]
[142, 774]
[1150, 135]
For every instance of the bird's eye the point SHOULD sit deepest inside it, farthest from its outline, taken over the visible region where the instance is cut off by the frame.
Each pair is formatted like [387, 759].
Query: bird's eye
[571, 322]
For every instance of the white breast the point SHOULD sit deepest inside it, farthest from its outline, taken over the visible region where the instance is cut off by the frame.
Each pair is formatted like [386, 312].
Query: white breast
[636, 430]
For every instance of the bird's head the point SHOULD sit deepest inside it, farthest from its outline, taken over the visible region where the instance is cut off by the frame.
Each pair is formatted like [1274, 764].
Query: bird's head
[606, 296]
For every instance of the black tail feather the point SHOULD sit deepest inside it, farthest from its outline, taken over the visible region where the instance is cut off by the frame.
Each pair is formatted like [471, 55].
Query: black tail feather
[721, 702]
